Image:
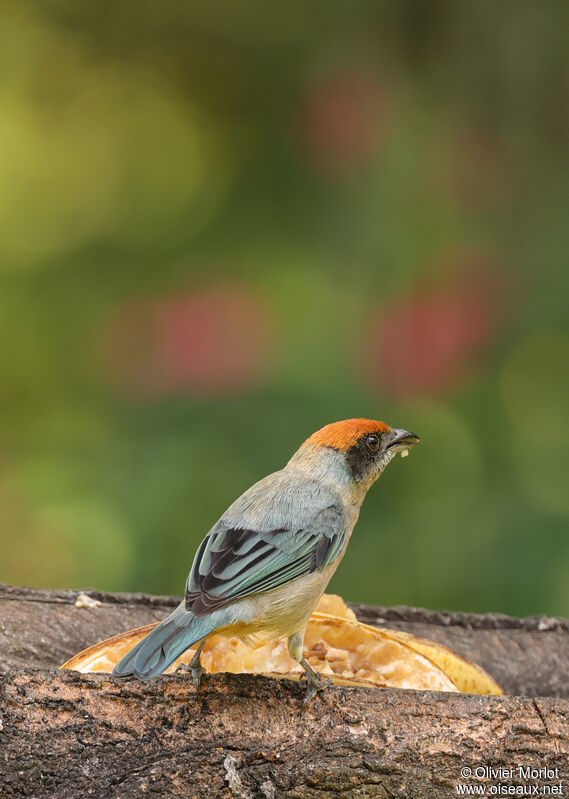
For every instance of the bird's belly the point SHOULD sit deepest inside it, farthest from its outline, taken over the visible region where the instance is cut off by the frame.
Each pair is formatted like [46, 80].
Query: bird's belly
[278, 613]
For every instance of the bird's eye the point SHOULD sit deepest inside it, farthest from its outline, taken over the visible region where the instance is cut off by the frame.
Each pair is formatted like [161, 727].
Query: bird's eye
[372, 443]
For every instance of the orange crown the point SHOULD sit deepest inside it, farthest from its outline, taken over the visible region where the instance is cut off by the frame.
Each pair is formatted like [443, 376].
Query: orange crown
[343, 435]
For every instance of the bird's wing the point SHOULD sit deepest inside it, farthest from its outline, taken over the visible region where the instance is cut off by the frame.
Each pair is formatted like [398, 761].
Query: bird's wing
[233, 562]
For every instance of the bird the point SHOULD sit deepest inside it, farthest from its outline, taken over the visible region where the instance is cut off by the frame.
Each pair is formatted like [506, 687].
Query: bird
[259, 572]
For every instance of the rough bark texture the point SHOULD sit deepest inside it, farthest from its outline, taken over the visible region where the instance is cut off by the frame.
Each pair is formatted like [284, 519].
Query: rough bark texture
[68, 735]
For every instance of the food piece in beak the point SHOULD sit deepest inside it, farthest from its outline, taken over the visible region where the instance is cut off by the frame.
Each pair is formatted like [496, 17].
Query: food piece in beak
[404, 453]
[402, 440]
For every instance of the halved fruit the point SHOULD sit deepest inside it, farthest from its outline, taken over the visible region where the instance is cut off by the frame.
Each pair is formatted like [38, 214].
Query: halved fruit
[336, 645]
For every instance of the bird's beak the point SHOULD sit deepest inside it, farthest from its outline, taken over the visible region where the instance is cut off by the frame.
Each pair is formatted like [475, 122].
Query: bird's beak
[402, 439]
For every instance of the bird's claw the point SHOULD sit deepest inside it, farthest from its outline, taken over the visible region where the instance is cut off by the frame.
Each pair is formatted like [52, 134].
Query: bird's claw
[196, 672]
[314, 686]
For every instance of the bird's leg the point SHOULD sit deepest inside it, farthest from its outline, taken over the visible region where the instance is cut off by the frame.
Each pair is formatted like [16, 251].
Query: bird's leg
[196, 669]
[195, 666]
[314, 681]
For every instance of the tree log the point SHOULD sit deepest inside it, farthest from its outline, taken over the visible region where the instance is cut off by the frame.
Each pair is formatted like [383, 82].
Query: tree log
[527, 657]
[63, 734]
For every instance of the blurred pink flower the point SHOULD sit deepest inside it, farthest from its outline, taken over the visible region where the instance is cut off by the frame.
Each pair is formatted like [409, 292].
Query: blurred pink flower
[427, 342]
[342, 122]
[213, 341]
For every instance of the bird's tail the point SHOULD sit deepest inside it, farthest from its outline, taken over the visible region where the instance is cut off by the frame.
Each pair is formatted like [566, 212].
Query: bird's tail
[164, 644]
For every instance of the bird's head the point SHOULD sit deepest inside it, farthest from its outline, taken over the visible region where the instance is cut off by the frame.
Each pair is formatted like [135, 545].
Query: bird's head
[359, 448]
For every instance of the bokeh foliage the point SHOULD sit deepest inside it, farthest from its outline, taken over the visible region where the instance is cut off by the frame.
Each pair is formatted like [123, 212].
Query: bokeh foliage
[224, 225]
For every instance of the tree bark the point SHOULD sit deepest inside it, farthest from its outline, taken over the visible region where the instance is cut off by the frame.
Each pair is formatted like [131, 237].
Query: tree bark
[63, 734]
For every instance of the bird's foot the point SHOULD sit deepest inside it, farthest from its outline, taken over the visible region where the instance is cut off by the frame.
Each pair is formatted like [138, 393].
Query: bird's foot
[195, 667]
[314, 684]
[196, 672]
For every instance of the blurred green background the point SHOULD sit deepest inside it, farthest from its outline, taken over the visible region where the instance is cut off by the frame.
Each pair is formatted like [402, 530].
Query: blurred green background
[225, 225]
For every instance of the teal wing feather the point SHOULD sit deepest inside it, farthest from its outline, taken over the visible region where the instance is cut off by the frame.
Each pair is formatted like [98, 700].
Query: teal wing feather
[233, 562]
